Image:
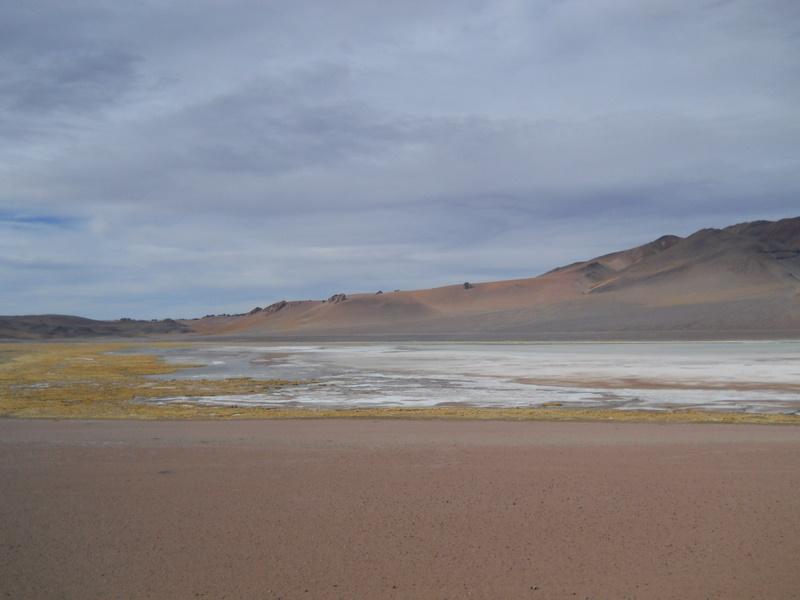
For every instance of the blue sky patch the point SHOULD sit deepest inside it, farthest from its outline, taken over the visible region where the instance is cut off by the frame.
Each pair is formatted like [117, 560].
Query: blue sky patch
[59, 221]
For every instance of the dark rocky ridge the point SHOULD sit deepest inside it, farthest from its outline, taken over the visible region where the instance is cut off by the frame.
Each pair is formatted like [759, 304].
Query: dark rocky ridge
[65, 326]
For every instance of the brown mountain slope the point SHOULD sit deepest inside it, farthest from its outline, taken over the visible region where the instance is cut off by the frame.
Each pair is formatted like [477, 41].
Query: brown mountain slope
[741, 280]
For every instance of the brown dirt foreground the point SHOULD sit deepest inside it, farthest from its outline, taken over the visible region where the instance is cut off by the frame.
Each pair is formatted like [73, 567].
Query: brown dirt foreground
[398, 509]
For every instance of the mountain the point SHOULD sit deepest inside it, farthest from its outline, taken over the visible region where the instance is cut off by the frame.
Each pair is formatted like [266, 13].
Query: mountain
[738, 282]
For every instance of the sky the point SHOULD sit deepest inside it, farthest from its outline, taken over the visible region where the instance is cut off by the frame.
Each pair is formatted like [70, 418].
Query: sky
[172, 159]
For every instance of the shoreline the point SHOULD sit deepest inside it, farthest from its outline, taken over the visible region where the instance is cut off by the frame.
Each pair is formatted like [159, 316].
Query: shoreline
[190, 338]
[208, 413]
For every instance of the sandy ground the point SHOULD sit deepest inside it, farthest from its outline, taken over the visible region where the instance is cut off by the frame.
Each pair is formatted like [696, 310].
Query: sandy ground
[398, 509]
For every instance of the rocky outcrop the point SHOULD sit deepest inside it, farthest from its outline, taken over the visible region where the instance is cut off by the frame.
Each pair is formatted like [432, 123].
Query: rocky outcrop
[595, 271]
[275, 307]
[337, 298]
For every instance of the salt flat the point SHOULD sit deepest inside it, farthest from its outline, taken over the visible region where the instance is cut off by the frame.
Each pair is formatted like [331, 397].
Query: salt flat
[751, 376]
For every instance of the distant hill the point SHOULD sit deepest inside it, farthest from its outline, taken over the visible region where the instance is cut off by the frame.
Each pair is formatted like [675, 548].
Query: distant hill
[740, 281]
[36, 327]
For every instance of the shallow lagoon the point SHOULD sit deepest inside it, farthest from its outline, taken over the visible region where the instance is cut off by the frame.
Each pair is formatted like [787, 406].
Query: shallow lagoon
[743, 376]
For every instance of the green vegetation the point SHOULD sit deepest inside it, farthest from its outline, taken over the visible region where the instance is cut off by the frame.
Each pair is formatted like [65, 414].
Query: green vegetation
[91, 381]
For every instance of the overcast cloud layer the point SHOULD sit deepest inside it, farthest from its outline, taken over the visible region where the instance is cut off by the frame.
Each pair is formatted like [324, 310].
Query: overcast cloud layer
[176, 158]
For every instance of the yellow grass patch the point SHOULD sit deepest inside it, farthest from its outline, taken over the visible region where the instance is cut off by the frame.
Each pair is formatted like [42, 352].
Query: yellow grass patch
[81, 380]
[85, 380]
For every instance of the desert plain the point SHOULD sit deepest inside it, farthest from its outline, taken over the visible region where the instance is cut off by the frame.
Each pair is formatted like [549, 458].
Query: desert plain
[321, 508]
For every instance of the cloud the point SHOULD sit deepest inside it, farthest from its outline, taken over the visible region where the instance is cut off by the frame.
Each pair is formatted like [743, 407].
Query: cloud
[209, 155]
[76, 83]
